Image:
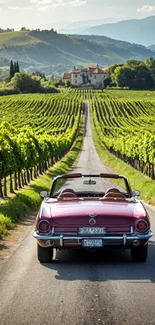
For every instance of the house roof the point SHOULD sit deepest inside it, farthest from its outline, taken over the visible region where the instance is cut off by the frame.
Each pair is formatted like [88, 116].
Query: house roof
[67, 75]
[98, 71]
[76, 71]
[90, 68]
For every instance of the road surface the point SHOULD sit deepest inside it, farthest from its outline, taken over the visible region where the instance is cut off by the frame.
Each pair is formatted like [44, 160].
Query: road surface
[78, 288]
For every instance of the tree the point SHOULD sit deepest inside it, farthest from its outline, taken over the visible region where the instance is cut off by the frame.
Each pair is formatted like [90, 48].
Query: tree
[24, 82]
[150, 63]
[110, 70]
[11, 69]
[106, 82]
[39, 74]
[138, 77]
[134, 63]
[14, 67]
[67, 83]
[17, 67]
[123, 76]
[143, 78]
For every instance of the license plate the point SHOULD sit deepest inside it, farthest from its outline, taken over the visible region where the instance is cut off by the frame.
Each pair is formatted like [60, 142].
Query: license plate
[92, 231]
[92, 243]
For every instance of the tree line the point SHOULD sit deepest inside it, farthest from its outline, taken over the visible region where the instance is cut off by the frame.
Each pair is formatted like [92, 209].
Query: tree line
[14, 67]
[133, 74]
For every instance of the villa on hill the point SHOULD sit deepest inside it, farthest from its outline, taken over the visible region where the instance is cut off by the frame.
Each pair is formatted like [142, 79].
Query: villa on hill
[90, 76]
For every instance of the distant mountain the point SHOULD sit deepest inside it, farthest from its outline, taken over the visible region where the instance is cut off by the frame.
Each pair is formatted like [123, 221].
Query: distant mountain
[78, 26]
[56, 25]
[139, 31]
[152, 47]
[50, 52]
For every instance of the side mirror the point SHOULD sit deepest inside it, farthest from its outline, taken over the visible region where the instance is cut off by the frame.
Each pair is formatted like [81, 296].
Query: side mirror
[43, 193]
[136, 193]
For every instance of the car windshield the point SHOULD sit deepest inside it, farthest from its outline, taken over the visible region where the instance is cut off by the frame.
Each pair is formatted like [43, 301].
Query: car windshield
[91, 184]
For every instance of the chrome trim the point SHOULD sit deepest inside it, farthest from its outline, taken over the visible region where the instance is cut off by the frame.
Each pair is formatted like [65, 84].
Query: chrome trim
[131, 230]
[61, 240]
[111, 233]
[124, 240]
[61, 237]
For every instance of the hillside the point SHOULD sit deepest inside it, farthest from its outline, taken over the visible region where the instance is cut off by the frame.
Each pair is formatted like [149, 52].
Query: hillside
[139, 31]
[152, 47]
[121, 48]
[50, 52]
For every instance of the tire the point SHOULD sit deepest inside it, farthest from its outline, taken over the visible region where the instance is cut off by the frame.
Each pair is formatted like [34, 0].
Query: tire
[45, 254]
[139, 254]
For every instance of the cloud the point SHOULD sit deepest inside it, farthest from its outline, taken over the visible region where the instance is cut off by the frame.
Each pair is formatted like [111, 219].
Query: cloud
[19, 8]
[78, 3]
[148, 9]
[45, 5]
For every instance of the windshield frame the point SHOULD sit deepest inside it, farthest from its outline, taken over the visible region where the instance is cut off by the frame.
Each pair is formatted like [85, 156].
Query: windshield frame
[80, 175]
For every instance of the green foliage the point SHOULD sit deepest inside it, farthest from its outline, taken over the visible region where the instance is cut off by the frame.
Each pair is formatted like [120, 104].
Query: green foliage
[24, 82]
[137, 180]
[13, 209]
[123, 120]
[111, 69]
[14, 67]
[123, 76]
[11, 70]
[67, 83]
[107, 82]
[134, 75]
[134, 63]
[55, 121]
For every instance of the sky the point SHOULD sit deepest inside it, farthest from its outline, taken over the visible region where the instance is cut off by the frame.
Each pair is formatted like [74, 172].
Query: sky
[38, 13]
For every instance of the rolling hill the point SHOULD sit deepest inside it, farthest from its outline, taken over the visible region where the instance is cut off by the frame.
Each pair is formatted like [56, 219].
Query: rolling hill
[50, 52]
[139, 31]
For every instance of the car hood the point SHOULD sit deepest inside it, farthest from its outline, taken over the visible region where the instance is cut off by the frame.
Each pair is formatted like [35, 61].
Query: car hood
[80, 212]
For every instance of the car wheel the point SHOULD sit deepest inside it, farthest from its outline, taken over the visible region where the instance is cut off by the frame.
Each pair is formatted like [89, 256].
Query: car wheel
[139, 254]
[45, 254]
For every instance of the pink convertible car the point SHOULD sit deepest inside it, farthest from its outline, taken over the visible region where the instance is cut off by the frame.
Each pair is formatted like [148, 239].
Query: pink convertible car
[92, 211]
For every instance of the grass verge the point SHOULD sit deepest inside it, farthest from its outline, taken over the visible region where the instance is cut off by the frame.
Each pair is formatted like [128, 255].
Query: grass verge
[137, 180]
[12, 209]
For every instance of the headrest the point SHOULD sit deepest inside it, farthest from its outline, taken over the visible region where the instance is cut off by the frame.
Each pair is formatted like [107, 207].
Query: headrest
[66, 195]
[114, 196]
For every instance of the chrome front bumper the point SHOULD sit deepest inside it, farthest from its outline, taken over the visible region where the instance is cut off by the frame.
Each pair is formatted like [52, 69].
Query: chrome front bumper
[61, 240]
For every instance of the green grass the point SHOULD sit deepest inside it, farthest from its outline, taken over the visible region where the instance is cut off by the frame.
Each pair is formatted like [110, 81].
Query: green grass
[20, 38]
[137, 180]
[11, 210]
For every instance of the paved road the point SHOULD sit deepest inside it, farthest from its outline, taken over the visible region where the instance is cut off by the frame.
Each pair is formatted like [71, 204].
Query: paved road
[78, 288]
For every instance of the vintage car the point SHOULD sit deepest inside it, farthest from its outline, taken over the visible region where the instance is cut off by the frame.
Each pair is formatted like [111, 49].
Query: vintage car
[92, 211]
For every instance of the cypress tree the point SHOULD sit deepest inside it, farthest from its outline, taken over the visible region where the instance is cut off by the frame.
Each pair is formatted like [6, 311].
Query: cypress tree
[11, 69]
[17, 67]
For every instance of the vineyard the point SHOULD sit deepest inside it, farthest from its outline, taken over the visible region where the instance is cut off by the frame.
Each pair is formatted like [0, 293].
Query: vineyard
[124, 121]
[35, 132]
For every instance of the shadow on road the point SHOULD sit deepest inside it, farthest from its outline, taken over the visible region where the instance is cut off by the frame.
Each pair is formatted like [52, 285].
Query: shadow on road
[103, 266]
